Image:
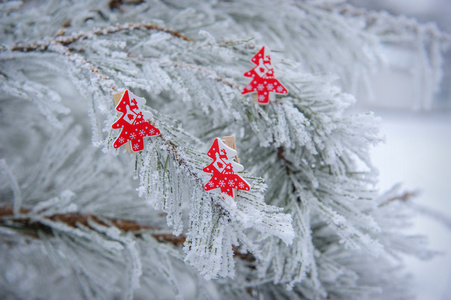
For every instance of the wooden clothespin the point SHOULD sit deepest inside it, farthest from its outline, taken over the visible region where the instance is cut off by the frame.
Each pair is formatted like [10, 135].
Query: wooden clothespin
[272, 97]
[256, 98]
[117, 97]
[230, 141]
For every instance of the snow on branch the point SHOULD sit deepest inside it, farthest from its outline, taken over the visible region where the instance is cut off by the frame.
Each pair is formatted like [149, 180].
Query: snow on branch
[312, 153]
[422, 45]
[162, 170]
[67, 40]
[399, 24]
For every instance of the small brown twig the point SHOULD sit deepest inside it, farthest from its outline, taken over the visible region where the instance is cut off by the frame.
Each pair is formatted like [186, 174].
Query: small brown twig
[404, 197]
[24, 221]
[7, 218]
[67, 40]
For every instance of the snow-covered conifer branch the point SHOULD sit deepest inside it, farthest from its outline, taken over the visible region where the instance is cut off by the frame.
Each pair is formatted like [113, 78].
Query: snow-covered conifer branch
[312, 221]
[399, 24]
[159, 167]
[67, 40]
[421, 44]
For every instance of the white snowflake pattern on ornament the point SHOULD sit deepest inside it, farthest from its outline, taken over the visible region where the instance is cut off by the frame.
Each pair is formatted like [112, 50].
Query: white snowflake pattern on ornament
[241, 185]
[249, 87]
[270, 87]
[231, 183]
[211, 184]
[136, 146]
[261, 98]
[260, 87]
[142, 132]
[132, 135]
[222, 183]
[280, 89]
[121, 140]
[151, 131]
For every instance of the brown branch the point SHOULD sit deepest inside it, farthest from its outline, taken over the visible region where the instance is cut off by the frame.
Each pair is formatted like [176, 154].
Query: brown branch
[116, 4]
[7, 217]
[67, 40]
[404, 197]
[23, 221]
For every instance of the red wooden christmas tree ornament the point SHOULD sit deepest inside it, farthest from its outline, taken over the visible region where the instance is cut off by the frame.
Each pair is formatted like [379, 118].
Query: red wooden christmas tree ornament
[132, 122]
[263, 80]
[223, 168]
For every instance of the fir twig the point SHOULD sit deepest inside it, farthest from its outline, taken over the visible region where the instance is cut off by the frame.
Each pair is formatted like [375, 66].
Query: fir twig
[404, 197]
[371, 17]
[24, 221]
[107, 83]
[202, 69]
[173, 148]
[67, 40]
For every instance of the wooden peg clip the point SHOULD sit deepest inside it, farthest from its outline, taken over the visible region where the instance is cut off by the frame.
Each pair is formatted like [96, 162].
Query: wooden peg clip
[256, 98]
[117, 97]
[272, 97]
[230, 141]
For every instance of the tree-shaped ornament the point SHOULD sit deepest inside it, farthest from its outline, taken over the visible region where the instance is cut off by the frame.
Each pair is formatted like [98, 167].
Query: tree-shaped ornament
[224, 169]
[263, 80]
[132, 122]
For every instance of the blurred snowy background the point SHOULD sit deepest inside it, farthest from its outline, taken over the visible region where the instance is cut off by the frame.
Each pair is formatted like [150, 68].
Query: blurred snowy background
[417, 152]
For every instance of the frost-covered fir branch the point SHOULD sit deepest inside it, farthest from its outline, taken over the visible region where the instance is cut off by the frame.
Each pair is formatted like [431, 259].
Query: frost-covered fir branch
[334, 238]
[67, 40]
[421, 44]
[21, 221]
